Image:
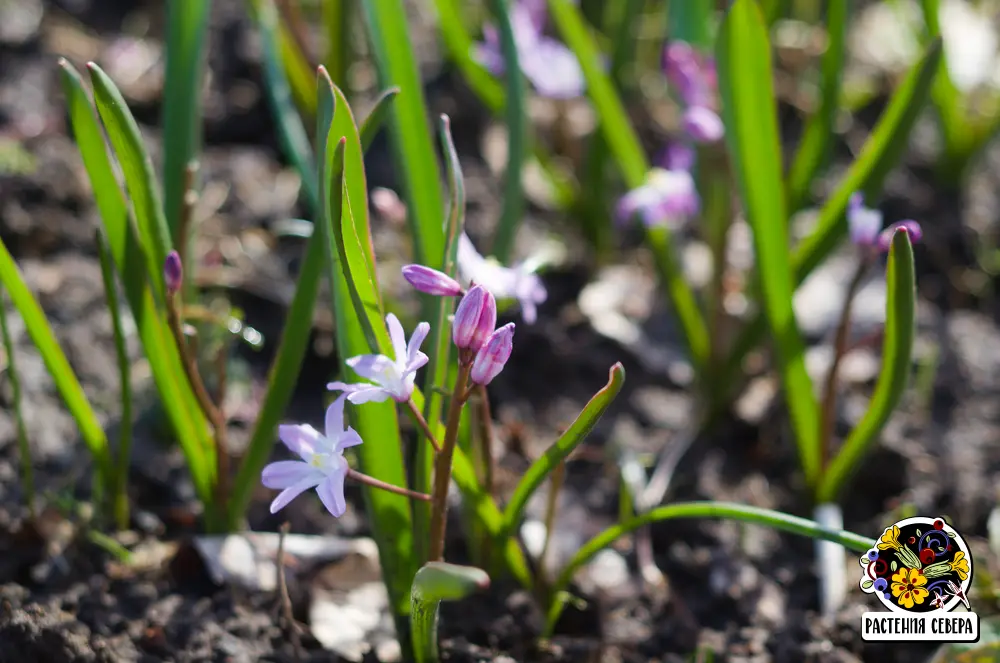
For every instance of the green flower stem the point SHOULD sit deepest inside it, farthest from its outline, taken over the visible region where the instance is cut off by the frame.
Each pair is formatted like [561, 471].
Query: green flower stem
[442, 465]
[828, 404]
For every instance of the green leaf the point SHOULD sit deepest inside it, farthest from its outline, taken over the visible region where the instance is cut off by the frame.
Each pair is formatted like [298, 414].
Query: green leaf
[187, 27]
[281, 381]
[878, 156]
[743, 57]
[562, 448]
[627, 150]
[120, 495]
[381, 457]
[439, 365]
[817, 138]
[58, 367]
[517, 136]
[691, 21]
[138, 170]
[712, 510]
[131, 260]
[433, 583]
[410, 131]
[291, 131]
[17, 405]
[337, 21]
[377, 117]
[900, 321]
[867, 584]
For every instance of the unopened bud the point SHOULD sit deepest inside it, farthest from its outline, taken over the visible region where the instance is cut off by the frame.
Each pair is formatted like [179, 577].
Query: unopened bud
[431, 281]
[494, 354]
[173, 272]
[863, 223]
[475, 319]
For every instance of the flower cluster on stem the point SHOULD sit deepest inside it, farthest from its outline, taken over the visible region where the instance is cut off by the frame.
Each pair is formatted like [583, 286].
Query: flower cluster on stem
[483, 351]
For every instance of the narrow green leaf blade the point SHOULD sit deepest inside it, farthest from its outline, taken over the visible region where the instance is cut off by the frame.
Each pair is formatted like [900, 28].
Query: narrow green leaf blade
[377, 423]
[281, 380]
[900, 324]
[517, 137]
[410, 130]
[743, 57]
[187, 27]
[817, 138]
[58, 366]
[130, 258]
[878, 156]
[710, 510]
[291, 130]
[627, 150]
[562, 447]
[377, 117]
[138, 170]
[691, 21]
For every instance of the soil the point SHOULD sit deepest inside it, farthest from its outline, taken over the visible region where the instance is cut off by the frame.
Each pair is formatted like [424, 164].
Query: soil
[739, 593]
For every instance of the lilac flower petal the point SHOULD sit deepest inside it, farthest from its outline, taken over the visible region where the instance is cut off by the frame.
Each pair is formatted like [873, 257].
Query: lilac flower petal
[416, 340]
[678, 156]
[635, 200]
[537, 12]
[553, 69]
[703, 124]
[418, 362]
[369, 366]
[284, 473]
[863, 224]
[344, 387]
[489, 55]
[331, 493]
[527, 24]
[302, 439]
[349, 438]
[371, 394]
[335, 418]
[397, 336]
[293, 491]
[529, 311]
[855, 202]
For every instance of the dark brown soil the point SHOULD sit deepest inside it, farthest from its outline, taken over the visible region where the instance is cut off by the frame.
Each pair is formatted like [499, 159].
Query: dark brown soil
[744, 594]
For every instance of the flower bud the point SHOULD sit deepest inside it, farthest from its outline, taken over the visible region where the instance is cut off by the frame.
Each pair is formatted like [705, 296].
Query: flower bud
[703, 124]
[431, 281]
[680, 63]
[912, 228]
[494, 354]
[475, 319]
[173, 272]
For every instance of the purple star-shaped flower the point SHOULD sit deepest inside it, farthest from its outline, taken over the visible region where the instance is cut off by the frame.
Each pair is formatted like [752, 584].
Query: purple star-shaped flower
[551, 67]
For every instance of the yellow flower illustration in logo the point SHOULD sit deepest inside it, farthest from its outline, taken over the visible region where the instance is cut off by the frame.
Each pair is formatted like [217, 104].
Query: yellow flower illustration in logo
[889, 539]
[908, 587]
[960, 565]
